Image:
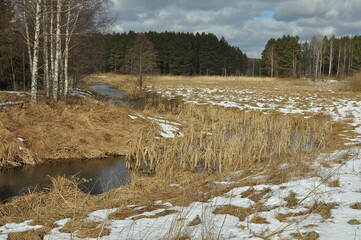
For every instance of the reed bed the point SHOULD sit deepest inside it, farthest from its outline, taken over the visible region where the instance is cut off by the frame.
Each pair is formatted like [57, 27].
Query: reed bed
[223, 139]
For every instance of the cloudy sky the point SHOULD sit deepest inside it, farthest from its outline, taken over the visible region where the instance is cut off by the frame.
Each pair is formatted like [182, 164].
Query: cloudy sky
[247, 24]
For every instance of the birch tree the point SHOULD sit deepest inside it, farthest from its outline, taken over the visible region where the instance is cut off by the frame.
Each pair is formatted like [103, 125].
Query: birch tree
[316, 48]
[331, 53]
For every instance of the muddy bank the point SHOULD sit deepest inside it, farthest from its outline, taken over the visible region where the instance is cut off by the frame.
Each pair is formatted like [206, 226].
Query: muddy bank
[76, 128]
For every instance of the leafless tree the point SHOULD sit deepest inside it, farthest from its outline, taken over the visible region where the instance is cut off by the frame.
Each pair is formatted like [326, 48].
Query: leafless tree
[331, 52]
[141, 59]
[317, 49]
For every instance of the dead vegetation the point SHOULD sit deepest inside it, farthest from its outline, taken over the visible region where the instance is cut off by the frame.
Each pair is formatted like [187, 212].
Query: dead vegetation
[220, 139]
[353, 83]
[79, 128]
[217, 141]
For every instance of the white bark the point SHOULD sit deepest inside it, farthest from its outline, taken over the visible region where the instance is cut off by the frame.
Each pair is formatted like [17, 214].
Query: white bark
[57, 51]
[316, 47]
[52, 49]
[27, 35]
[331, 56]
[45, 49]
[34, 72]
[66, 53]
[68, 34]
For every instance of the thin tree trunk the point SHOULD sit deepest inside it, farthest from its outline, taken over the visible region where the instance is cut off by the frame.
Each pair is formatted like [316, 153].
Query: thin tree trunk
[46, 52]
[344, 59]
[339, 59]
[66, 53]
[13, 76]
[316, 64]
[27, 36]
[34, 73]
[331, 57]
[52, 50]
[321, 61]
[350, 57]
[57, 52]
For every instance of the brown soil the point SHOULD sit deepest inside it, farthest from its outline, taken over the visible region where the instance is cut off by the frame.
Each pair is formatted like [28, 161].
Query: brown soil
[75, 128]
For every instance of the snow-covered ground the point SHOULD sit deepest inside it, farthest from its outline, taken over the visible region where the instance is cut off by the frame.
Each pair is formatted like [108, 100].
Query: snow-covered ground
[327, 206]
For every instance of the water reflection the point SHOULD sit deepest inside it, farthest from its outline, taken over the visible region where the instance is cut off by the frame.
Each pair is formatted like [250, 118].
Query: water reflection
[116, 96]
[103, 175]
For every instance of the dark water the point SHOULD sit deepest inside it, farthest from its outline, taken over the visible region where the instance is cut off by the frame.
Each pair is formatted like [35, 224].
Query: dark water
[116, 96]
[104, 174]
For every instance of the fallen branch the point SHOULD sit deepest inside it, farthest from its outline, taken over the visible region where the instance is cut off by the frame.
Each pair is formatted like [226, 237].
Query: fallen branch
[5, 104]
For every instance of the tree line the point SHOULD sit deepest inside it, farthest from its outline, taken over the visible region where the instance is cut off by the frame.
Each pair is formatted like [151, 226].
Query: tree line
[42, 40]
[322, 56]
[176, 53]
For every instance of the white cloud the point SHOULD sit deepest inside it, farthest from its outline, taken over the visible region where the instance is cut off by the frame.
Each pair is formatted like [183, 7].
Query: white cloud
[246, 24]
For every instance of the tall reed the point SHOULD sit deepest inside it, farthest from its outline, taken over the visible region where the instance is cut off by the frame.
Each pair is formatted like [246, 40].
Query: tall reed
[223, 139]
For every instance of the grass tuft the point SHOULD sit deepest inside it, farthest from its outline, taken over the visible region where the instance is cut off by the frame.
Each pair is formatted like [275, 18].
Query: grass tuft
[356, 206]
[334, 183]
[239, 212]
[354, 222]
[291, 200]
[259, 220]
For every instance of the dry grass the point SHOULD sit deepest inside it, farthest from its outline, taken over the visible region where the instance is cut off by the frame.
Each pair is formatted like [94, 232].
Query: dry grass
[321, 208]
[63, 200]
[219, 139]
[306, 236]
[259, 220]
[334, 183]
[254, 195]
[354, 222]
[157, 215]
[353, 83]
[196, 221]
[291, 200]
[356, 206]
[239, 212]
[72, 129]
[30, 235]
[85, 229]
[124, 213]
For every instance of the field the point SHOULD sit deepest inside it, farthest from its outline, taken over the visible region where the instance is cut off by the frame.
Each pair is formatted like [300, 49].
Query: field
[230, 158]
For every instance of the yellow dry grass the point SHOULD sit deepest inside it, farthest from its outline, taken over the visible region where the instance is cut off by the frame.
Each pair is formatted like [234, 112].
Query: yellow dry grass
[220, 139]
[82, 128]
[353, 83]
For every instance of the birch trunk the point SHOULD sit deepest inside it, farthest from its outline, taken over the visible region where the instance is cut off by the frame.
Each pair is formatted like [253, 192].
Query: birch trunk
[57, 52]
[46, 52]
[27, 35]
[66, 54]
[331, 57]
[34, 72]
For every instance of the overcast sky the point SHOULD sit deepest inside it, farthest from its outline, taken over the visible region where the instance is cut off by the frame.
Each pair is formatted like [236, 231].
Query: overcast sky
[247, 24]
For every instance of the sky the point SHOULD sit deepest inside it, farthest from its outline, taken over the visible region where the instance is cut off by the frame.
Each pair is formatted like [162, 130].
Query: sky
[247, 24]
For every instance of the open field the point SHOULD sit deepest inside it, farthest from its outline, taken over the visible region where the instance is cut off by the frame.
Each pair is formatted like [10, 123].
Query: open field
[249, 159]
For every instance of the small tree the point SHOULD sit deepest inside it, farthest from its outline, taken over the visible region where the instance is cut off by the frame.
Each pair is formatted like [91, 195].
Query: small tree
[141, 59]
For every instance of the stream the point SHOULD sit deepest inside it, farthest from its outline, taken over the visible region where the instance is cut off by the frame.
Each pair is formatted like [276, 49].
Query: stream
[103, 174]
